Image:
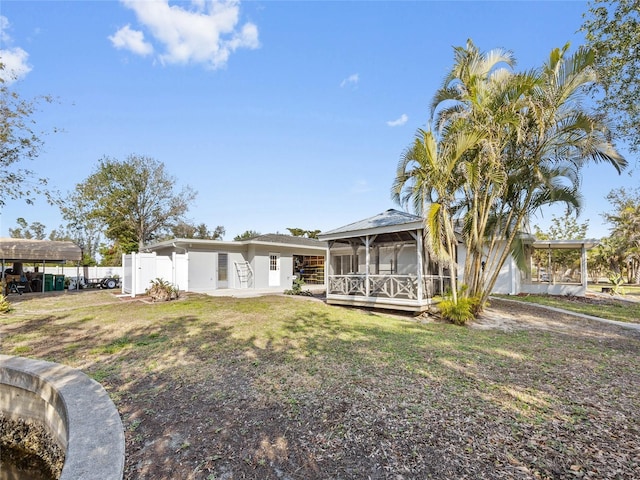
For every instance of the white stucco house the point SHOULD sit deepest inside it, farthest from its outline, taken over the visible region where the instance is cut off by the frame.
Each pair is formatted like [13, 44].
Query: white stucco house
[382, 262]
[265, 262]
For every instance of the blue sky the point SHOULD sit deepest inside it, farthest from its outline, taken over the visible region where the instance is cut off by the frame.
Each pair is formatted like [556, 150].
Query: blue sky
[279, 114]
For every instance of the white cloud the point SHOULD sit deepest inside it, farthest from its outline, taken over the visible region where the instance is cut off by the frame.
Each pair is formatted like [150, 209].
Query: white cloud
[350, 80]
[207, 32]
[132, 40]
[4, 26]
[14, 59]
[398, 121]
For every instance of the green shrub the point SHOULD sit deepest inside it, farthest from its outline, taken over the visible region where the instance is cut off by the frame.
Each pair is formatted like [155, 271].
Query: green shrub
[296, 288]
[5, 306]
[162, 291]
[458, 313]
[617, 283]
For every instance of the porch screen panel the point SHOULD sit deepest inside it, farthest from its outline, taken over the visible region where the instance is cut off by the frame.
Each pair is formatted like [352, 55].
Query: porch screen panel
[407, 259]
[387, 262]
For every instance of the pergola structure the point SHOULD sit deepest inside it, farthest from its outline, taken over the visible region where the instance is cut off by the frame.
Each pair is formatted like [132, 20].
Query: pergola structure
[382, 262]
[559, 286]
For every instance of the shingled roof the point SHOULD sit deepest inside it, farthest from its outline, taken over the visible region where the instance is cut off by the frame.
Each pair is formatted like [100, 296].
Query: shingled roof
[286, 239]
[391, 218]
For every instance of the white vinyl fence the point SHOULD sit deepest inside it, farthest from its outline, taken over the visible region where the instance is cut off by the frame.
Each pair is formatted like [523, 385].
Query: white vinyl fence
[86, 272]
[140, 269]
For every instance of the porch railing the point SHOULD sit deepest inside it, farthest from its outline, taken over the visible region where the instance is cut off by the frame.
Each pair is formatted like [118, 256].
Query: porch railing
[393, 286]
[387, 286]
[347, 285]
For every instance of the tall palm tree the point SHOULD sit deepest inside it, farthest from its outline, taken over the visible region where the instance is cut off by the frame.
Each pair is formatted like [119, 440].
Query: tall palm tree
[536, 137]
[428, 176]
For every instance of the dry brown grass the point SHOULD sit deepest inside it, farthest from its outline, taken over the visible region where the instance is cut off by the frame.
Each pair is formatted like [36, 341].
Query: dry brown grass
[284, 388]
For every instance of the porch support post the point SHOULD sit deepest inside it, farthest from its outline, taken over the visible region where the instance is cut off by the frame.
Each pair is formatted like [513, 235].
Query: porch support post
[420, 267]
[367, 288]
[327, 266]
[354, 258]
[583, 267]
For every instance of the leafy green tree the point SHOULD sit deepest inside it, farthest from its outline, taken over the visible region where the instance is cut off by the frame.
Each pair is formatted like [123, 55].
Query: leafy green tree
[301, 232]
[297, 232]
[60, 235]
[83, 228]
[561, 228]
[246, 235]
[35, 230]
[612, 29]
[135, 199]
[19, 141]
[111, 255]
[186, 230]
[625, 220]
[608, 258]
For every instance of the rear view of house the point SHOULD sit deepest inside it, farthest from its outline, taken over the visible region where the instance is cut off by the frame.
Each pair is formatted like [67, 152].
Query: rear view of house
[265, 262]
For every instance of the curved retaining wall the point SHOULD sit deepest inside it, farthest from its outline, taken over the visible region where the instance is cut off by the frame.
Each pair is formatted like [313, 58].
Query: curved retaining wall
[74, 408]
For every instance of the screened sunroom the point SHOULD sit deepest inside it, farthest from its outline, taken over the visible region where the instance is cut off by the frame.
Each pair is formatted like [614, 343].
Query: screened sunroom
[382, 262]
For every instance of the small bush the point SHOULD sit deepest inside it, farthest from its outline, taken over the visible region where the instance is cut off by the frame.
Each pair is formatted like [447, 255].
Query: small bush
[296, 288]
[458, 313]
[617, 283]
[162, 291]
[5, 306]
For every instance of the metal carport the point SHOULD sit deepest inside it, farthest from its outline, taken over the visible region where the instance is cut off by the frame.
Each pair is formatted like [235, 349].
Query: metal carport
[22, 250]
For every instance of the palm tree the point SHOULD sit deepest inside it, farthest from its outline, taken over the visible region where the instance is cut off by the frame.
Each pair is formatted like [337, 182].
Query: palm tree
[536, 136]
[428, 176]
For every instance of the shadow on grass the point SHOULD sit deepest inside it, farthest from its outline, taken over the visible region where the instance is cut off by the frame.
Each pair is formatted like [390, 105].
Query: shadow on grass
[277, 388]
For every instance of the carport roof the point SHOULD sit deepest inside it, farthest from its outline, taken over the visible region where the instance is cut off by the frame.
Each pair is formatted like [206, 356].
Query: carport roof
[27, 250]
[565, 244]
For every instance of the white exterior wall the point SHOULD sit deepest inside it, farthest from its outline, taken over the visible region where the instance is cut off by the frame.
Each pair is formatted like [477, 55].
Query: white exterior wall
[286, 271]
[259, 259]
[508, 278]
[260, 265]
[202, 271]
[460, 259]
[234, 279]
[196, 270]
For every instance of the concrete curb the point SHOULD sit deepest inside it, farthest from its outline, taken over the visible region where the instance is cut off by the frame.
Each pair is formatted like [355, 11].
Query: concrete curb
[76, 410]
[631, 326]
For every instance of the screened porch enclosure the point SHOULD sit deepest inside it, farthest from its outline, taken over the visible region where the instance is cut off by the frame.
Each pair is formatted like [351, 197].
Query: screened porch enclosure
[390, 270]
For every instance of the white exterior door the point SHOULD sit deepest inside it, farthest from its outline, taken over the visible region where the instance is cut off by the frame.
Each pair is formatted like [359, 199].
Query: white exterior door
[274, 270]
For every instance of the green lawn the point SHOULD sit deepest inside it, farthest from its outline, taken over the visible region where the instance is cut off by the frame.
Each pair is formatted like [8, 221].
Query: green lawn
[609, 308]
[281, 387]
